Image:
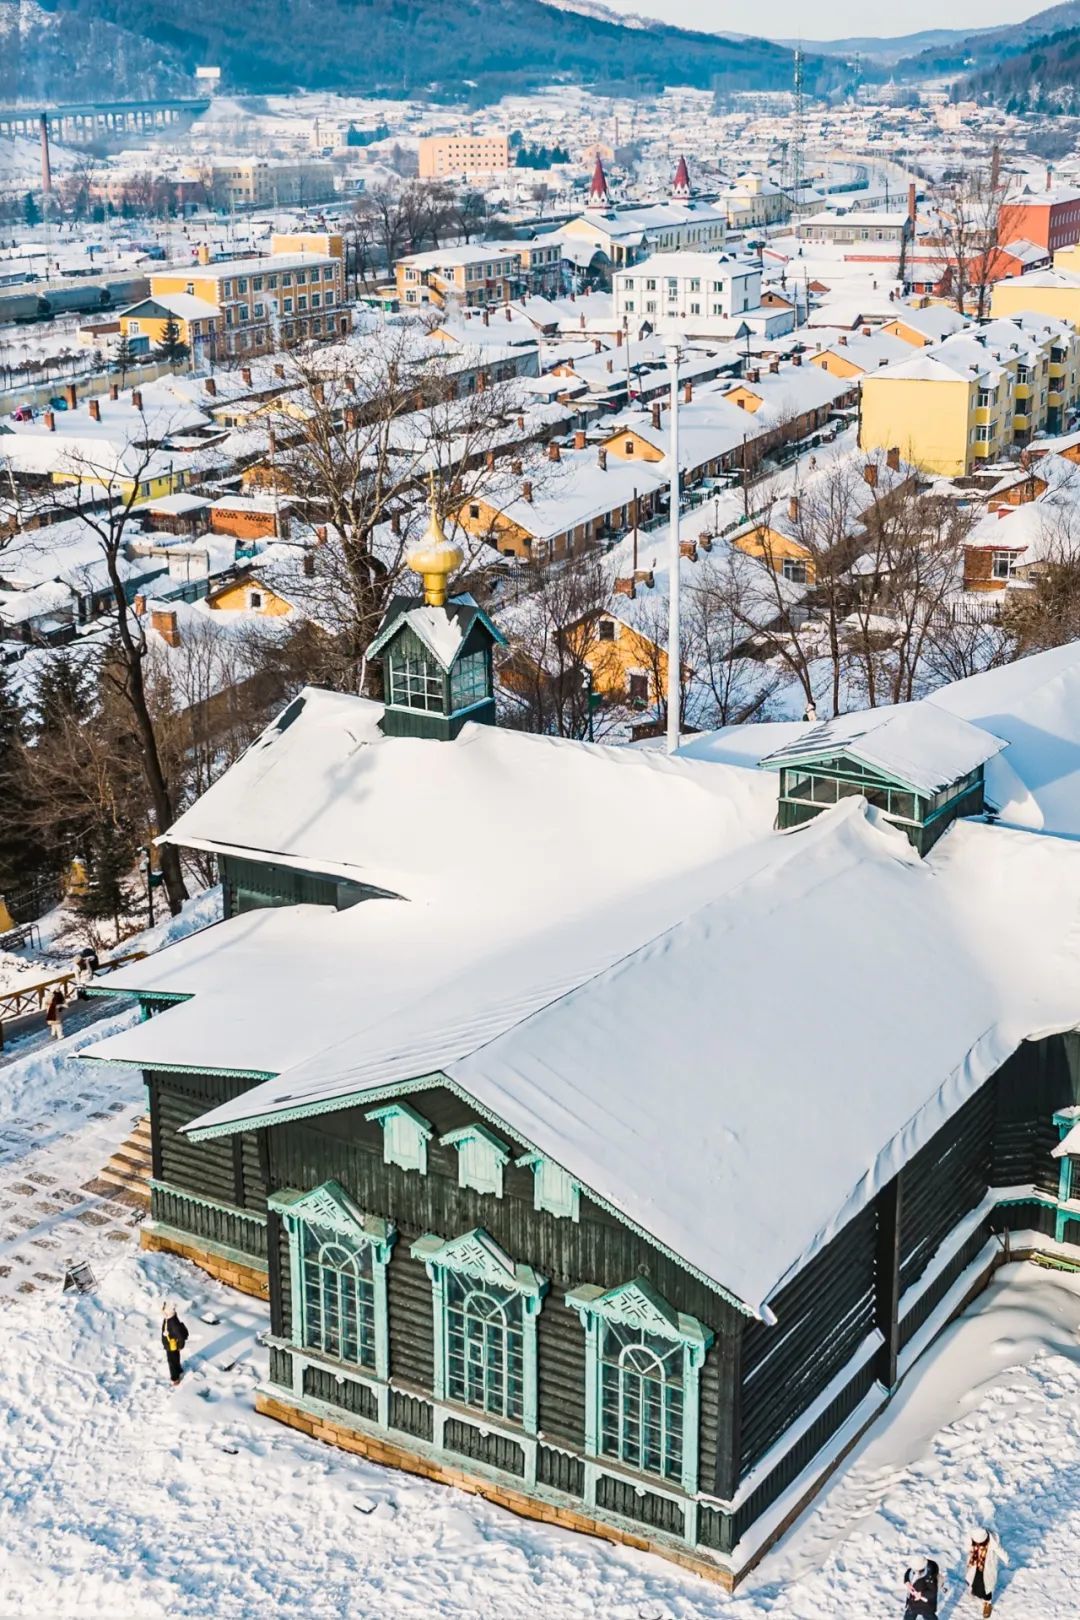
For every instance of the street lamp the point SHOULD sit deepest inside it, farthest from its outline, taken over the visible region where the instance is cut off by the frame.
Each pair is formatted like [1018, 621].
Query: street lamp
[674, 661]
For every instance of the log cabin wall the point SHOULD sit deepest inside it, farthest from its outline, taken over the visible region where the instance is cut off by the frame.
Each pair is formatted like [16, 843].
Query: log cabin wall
[597, 1248]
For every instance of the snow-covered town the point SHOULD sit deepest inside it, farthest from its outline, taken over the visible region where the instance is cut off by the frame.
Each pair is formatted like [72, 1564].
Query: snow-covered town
[539, 812]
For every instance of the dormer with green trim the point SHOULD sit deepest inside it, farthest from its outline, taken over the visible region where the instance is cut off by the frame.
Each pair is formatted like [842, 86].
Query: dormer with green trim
[436, 652]
[918, 765]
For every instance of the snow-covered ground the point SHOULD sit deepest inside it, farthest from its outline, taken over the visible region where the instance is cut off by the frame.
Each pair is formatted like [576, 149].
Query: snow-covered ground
[122, 1497]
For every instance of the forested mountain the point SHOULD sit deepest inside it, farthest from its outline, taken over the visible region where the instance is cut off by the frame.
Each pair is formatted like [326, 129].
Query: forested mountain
[471, 50]
[1043, 78]
[983, 49]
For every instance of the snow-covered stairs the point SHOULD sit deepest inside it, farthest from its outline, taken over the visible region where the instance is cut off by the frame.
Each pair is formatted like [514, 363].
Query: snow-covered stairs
[126, 1177]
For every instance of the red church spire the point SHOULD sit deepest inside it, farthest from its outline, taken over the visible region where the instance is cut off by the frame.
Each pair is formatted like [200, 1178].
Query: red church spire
[680, 186]
[598, 191]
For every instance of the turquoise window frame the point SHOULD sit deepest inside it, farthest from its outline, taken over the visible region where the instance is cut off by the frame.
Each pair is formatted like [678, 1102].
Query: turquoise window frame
[554, 1189]
[637, 1306]
[406, 1135]
[328, 1213]
[476, 1257]
[482, 1157]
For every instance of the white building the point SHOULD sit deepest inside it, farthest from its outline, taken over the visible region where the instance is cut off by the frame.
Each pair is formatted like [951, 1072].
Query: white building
[700, 294]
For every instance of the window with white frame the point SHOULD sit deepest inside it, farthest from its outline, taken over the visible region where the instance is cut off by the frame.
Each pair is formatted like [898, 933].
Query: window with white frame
[416, 682]
[485, 1310]
[1003, 564]
[338, 1259]
[643, 1361]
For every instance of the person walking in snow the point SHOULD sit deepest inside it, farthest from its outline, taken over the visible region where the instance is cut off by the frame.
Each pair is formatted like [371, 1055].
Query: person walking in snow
[924, 1586]
[54, 1015]
[174, 1336]
[984, 1557]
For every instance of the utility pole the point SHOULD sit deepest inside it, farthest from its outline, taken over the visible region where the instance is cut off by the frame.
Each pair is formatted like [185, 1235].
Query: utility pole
[797, 132]
[674, 660]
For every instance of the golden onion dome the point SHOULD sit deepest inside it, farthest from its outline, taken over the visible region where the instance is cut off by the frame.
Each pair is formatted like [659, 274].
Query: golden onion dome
[435, 558]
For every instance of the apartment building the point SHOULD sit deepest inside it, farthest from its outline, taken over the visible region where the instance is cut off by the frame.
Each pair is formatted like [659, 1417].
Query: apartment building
[442, 155]
[477, 274]
[697, 293]
[976, 396]
[1049, 218]
[1054, 293]
[261, 303]
[258, 183]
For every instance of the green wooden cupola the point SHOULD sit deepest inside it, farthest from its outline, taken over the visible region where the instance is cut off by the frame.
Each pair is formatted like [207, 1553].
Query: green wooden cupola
[917, 764]
[436, 651]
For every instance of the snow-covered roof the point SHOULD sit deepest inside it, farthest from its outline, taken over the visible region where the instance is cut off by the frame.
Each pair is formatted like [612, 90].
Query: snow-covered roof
[323, 785]
[1034, 704]
[562, 1034]
[925, 747]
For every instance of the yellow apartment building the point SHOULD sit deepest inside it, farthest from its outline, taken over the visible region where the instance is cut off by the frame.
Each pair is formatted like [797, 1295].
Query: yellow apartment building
[261, 304]
[975, 398]
[1053, 292]
[472, 275]
[442, 155]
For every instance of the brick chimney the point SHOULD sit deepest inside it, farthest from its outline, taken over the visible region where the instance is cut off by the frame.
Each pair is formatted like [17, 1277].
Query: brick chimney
[204, 253]
[318, 392]
[618, 338]
[139, 605]
[866, 331]
[352, 419]
[793, 508]
[526, 491]
[71, 396]
[796, 359]
[114, 391]
[842, 340]
[245, 376]
[774, 367]
[211, 386]
[309, 565]
[601, 457]
[609, 364]
[688, 548]
[136, 399]
[869, 472]
[486, 318]
[507, 313]
[624, 587]
[911, 202]
[320, 534]
[554, 453]
[654, 412]
[516, 468]
[753, 376]
[579, 439]
[50, 422]
[489, 461]
[892, 458]
[596, 345]
[279, 370]
[395, 523]
[163, 620]
[95, 410]
[688, 393]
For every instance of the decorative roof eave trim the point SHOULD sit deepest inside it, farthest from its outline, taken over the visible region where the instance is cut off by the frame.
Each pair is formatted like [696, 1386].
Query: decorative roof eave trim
[774, 762]
[181, 1068]
[428, 1082]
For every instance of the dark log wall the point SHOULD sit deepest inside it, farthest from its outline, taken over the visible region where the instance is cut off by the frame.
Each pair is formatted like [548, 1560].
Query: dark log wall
[347, 1148]
[945, 1179]
[822, 1317]
[1039, 1078]
[230, 1169]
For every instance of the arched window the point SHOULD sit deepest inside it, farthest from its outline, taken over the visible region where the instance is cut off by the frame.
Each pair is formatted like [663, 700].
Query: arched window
[643, 1361]
[484, 1318]
[485, 1355]
[337, 1276]
[641, 1400]
[339, 1297]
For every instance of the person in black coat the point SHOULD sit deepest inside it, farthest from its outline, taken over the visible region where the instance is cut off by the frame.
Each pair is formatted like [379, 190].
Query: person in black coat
[174, 1336]
[924, 1585]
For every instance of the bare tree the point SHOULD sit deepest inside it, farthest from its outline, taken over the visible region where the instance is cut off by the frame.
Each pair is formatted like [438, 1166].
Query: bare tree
[102, 491]
[546, 679]
[969, 212]
[392, 423]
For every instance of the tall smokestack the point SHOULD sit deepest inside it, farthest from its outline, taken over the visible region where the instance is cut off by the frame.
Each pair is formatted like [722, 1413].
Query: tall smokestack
[911, 202]
[46, 167]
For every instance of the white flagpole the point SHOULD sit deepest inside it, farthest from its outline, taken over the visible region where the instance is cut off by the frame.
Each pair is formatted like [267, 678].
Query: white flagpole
[673, 659]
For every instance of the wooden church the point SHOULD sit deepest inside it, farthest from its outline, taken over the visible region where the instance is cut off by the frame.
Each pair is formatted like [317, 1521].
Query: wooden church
[621, 1184]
